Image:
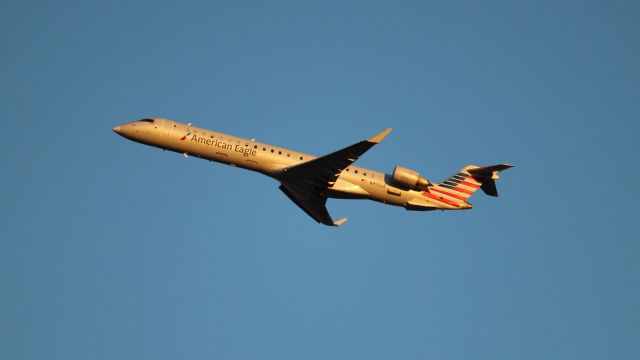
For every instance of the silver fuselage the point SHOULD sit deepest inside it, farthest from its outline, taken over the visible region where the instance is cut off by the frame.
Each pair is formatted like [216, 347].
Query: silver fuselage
[354, 182]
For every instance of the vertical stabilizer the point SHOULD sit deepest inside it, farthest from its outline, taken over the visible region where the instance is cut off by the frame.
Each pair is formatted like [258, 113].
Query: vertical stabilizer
[461, 185]
[487, 176]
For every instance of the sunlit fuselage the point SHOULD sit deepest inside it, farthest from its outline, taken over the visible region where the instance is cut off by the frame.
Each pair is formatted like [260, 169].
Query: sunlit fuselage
[353, 182]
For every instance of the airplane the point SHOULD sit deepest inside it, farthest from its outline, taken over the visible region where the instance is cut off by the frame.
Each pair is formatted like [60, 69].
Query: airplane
[309, 180]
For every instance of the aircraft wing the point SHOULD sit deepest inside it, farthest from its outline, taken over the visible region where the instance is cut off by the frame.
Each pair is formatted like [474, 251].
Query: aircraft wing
[311, 202]
[305, 184]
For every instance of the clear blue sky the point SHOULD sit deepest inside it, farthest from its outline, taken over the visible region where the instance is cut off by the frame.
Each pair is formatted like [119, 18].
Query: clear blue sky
[113, 250]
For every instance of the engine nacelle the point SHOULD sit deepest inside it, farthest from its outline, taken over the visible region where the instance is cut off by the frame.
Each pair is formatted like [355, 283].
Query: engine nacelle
[409, 178]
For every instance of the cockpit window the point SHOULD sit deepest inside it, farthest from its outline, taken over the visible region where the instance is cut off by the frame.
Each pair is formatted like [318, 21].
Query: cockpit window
[148, 120]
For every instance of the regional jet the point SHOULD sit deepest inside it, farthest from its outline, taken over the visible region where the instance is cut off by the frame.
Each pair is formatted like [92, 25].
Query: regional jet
[310, 180]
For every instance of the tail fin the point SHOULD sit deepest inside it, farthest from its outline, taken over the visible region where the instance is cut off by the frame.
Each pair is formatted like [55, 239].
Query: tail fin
[466, 182]
[487, 176]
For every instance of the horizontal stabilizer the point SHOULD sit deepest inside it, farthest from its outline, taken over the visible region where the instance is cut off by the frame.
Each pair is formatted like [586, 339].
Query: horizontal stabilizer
[487, 176]
[489, 171]
[489, 187]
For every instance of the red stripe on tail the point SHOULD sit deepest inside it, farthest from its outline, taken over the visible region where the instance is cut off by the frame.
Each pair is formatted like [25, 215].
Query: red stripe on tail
[448, 194]
[465, 183]
[440, 199]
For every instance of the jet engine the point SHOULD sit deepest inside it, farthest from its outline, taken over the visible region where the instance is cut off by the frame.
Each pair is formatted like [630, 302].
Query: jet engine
[409, 179]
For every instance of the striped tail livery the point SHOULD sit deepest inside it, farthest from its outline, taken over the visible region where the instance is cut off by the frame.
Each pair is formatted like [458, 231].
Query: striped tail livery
[458, 188]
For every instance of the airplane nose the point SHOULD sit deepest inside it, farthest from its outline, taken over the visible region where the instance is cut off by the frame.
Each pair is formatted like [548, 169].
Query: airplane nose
[117, 129]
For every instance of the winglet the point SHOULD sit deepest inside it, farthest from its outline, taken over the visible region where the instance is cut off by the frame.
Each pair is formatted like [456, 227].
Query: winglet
[376, 139]
[339, 222]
